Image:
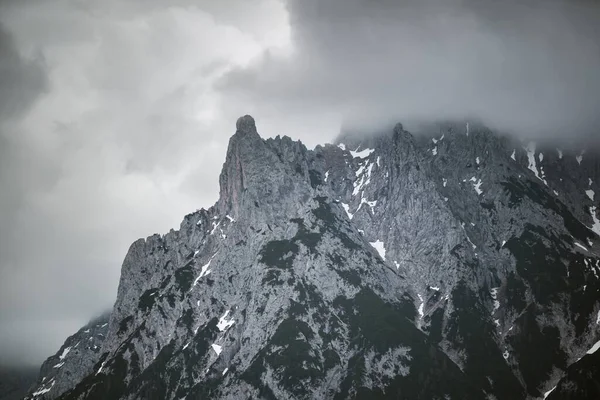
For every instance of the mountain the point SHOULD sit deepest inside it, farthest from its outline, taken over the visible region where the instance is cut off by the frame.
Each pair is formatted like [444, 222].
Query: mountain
[453, 264]
[73, 361]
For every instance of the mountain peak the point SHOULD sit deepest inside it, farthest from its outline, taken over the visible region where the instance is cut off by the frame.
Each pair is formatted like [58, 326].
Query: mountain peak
[363, 270]
[246, 124]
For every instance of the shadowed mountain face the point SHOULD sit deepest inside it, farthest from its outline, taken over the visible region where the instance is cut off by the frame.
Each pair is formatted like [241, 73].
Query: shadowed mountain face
[452, 265]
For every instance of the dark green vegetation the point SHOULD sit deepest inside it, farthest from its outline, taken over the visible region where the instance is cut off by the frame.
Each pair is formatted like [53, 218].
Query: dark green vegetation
[550, 269]
[537, 350]
[281, 253]
[108, 384]
[147, 300]
[289, 353]
[315, 178]
[471, 330]
[541, 265]
[518, 189]
[124, 324]
[330, 223]
[379, 326]
[582, 381]
[161, 377]
[184, 277]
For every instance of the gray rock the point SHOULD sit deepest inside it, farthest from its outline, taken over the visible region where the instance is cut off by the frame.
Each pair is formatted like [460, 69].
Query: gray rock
[387, 266]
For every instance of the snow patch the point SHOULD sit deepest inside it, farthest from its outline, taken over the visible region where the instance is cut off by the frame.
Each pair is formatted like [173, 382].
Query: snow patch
[204, 271]
[347, 209]
[579, 158]
[513, 155]
[398, 266]
[225, 371]
[434, 151]
[215, 226]
[361, 154]
[555, 192]
[230, 218]
[421, 307]
[580, 245]
[437, 289]
[326, 175]
[590, 193]
[365, 178]
[560, 154]
[64, 353]
[541, 157]
[596, 226]
[532, 164]
[44, 390]
[594, 348]
[218, 349]
[371, 204]
[342, 146]
[477, 160]
[101, 366]
[59, 365]
[224, 323]
[477, 185]
[379, 246]
[549, 391]
[494, 294]
[462, 224]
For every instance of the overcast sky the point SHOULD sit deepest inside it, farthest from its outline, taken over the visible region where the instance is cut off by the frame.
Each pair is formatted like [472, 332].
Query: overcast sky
[115, 114]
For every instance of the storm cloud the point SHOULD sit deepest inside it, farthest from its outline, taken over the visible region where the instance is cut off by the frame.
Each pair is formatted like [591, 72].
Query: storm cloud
[115, 115]
[530, 67]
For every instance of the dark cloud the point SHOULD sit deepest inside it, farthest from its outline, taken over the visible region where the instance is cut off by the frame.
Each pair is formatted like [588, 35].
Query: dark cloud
[21, 81]
[527, 66]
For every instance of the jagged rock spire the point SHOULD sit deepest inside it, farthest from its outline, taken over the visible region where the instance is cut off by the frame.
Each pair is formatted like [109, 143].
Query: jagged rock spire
[246, 124]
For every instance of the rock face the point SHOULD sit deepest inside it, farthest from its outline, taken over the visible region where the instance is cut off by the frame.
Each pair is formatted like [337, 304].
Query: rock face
[456, 264]
[73, 361]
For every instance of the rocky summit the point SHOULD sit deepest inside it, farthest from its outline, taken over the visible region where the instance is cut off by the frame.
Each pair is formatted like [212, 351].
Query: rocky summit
[456, 263]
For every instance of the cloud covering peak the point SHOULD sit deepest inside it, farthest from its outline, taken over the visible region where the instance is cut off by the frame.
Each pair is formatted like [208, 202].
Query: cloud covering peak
[524, 66]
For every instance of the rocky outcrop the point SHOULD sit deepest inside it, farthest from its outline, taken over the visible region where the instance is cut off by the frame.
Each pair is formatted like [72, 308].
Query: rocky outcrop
[73, 361]
[452, 264]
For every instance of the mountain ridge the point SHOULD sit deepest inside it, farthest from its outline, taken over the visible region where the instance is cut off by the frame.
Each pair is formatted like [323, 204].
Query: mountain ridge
[453, 241]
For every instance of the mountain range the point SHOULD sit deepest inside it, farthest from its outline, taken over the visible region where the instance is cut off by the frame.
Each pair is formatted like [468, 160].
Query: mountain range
[455, 263]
